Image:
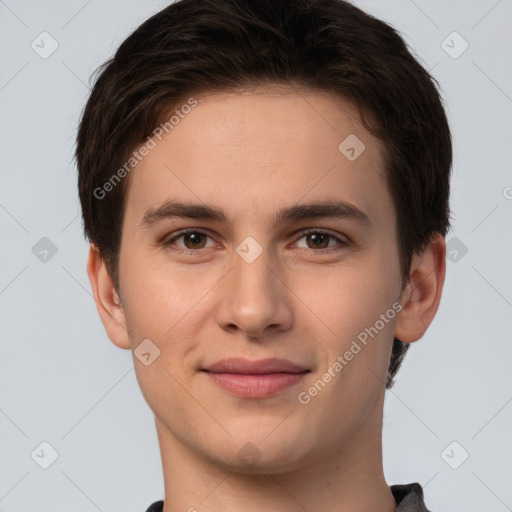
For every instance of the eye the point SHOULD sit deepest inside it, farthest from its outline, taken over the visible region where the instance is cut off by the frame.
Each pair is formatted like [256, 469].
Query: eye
[320, 239]
[317, 240]
[192, 239]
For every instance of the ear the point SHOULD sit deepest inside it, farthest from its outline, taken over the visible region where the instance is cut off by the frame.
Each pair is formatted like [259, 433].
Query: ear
[106, 298]
[420, 298]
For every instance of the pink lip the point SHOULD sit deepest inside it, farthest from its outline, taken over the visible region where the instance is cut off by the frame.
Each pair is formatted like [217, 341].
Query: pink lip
[255, 386]
[255, 379]
[248, 367]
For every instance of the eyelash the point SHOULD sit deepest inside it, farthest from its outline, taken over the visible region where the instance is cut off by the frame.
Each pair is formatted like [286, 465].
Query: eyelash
[342, 243]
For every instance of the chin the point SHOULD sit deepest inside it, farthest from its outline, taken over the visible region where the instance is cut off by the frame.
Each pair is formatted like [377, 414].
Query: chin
[263, 454]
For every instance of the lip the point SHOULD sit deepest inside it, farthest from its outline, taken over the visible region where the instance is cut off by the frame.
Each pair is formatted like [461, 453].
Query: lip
[255, 379]
[258, 367]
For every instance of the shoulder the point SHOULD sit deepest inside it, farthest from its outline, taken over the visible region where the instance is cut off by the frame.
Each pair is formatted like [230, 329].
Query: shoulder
[157, 506]
[409, 497]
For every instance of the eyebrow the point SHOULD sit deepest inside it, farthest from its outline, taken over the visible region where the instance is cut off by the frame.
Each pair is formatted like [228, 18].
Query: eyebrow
[325, 209]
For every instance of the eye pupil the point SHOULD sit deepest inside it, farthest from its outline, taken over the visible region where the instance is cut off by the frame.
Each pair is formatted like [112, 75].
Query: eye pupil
[318, 238]
[194, 238]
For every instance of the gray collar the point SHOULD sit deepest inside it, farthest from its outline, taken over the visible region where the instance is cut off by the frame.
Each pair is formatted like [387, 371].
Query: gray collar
[409, 498]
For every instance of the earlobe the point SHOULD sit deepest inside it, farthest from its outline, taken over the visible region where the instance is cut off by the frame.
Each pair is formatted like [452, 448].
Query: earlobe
[422, 295]
[107, 301]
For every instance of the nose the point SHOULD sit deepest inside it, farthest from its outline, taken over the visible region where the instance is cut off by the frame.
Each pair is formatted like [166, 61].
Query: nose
[254, 298]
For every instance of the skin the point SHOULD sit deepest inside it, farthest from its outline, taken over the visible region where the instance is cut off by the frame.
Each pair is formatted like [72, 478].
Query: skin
[252, 154]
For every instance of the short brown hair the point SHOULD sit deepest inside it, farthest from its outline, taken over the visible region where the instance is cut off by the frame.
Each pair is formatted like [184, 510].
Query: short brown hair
[201, 46]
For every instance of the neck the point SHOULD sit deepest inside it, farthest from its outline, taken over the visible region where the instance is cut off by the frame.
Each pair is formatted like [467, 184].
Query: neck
[349, 478]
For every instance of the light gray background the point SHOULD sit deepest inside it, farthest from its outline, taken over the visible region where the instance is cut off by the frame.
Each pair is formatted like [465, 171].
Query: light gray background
[62, 381]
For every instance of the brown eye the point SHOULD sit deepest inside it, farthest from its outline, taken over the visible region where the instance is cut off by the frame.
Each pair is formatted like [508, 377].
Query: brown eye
[317, 239]
[193, 239]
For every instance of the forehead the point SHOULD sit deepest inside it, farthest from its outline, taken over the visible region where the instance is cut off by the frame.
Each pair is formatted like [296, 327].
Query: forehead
[254, 150]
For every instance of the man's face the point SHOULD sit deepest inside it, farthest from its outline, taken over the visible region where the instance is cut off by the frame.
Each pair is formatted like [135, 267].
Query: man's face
[254, 286]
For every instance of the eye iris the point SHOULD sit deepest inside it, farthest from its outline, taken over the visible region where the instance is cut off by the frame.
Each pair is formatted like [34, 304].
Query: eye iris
[195, 238]
[318, 239]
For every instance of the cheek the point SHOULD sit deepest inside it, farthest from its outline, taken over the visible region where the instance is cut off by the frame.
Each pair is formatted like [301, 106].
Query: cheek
[162, 305]
[344, 301]
[167, 304]
[355, 319]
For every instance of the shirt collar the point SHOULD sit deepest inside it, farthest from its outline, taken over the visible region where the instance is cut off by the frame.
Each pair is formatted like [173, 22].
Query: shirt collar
[409, 497]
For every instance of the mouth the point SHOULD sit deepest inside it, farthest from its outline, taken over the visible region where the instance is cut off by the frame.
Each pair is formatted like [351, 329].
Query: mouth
[255, 379]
